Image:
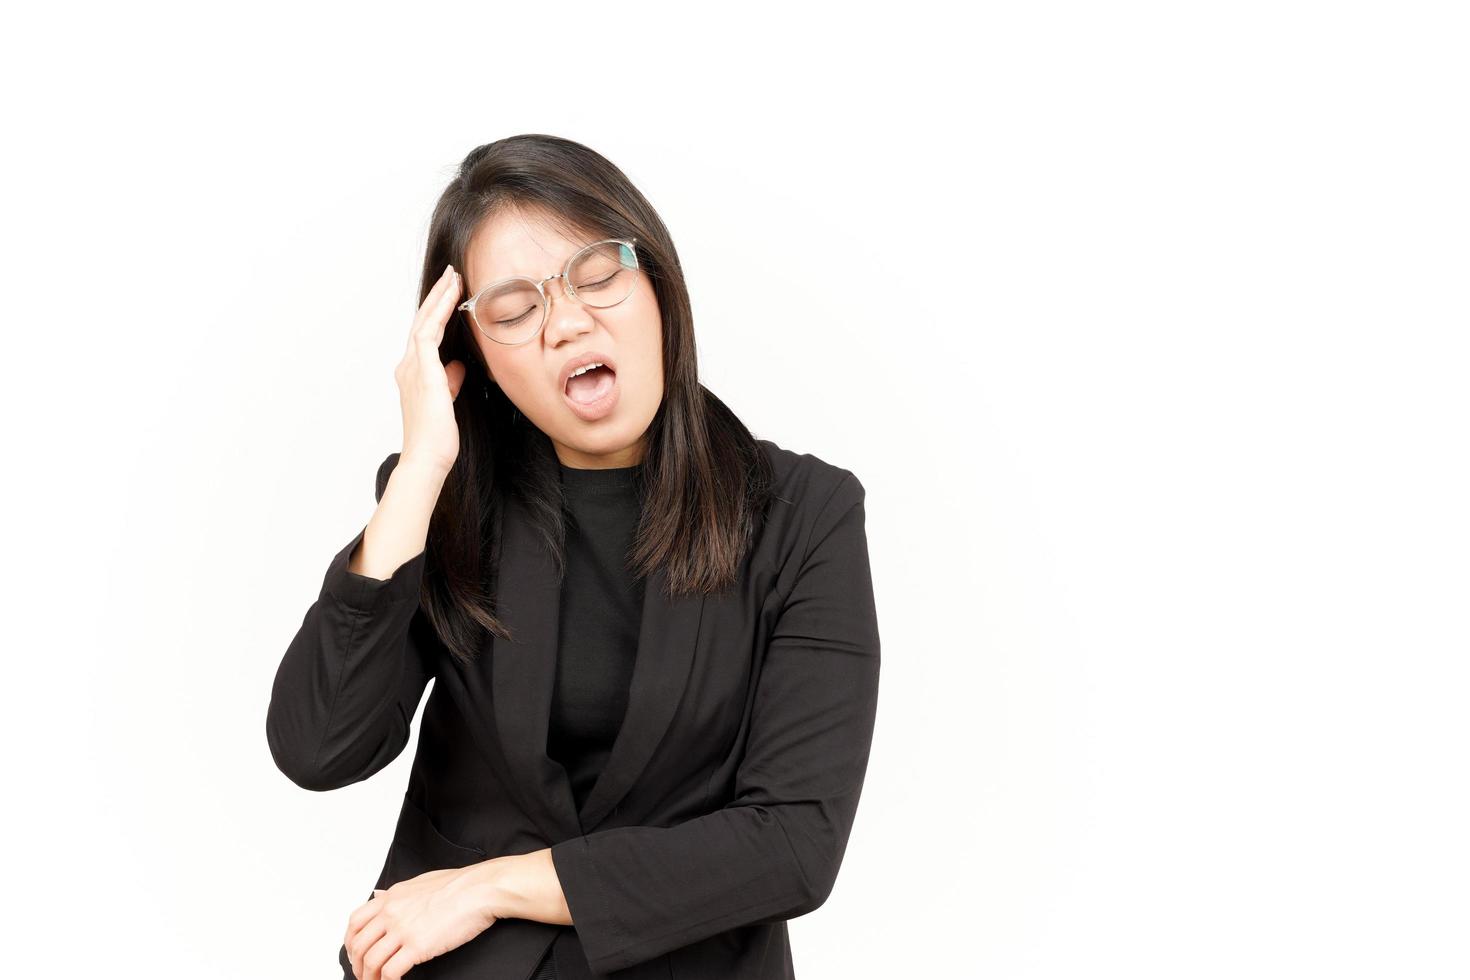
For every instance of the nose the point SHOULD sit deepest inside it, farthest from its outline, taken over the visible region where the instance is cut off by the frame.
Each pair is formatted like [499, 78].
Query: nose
[566, 317]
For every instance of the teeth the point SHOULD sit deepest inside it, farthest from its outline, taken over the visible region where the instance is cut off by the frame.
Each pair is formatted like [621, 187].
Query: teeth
[584, 369]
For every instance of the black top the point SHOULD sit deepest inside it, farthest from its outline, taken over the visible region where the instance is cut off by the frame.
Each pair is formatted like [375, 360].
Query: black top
[601, 607]
[735, 778]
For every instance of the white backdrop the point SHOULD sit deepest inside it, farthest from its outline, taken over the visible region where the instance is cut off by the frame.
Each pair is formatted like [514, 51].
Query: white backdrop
[1142, 324]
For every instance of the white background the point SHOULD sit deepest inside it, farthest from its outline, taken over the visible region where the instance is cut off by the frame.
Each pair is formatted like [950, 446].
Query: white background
[1143, 325]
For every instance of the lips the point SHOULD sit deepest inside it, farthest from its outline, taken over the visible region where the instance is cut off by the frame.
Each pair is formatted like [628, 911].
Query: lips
[590, 385]
[600, 406]
[607, 395]
[590, 357]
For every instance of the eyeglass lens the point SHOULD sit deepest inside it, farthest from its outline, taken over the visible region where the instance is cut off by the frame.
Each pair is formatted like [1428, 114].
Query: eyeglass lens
[601, 275]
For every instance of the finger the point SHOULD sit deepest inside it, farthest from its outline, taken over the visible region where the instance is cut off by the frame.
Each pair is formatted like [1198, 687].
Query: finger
[434, 293]
[454, 371]
[445, 307]
[423, 315]
[361, 916]
[445, 292]
[381, 952]
[399, 964]
[371, 938]
[429, 334]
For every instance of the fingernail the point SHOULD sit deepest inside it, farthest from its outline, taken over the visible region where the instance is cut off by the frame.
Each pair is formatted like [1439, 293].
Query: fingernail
[446, 271]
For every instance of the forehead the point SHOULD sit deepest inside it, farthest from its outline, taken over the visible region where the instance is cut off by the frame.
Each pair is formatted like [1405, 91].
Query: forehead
[521, 243]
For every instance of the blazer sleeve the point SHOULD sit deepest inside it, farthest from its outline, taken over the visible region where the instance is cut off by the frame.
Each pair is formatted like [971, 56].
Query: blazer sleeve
[772, 853]
[347, 688]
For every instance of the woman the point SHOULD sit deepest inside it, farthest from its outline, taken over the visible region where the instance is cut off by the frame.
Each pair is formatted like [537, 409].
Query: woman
[653, 635]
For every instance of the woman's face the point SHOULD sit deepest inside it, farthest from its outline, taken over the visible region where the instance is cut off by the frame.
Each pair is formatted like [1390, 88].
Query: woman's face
[628, 337]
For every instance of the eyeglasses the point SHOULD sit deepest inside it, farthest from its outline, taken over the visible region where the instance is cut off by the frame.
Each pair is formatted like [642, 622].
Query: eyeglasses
[513, 311]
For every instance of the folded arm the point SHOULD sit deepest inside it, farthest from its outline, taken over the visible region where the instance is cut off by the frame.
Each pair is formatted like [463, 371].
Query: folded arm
[347, 688]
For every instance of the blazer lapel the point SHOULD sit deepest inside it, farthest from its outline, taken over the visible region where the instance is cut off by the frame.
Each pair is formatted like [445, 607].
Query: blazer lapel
[523, 671]
[667, 636]
[523, 678]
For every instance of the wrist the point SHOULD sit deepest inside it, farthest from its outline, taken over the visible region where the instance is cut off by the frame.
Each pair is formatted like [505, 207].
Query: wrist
[485, 878]
[422, 469]
[521, 886]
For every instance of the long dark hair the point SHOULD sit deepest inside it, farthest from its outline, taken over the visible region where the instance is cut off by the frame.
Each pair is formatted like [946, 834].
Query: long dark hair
[706, 482]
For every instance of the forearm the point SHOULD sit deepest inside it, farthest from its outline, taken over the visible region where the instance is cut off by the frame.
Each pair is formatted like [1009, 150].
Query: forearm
[398, 530]
[522, 886]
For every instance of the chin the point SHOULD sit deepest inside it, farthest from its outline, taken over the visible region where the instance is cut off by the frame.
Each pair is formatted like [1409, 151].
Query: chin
[609, 435]
[605, 439]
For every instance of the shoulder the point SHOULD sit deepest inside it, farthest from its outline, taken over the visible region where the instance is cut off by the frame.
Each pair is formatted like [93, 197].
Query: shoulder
[806, 481]
[816, 519]
[809, 496]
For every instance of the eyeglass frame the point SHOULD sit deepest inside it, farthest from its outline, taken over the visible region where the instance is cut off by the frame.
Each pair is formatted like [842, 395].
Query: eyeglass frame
[568, 289]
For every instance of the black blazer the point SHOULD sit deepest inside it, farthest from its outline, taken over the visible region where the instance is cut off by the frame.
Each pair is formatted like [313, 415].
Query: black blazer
[725, 806]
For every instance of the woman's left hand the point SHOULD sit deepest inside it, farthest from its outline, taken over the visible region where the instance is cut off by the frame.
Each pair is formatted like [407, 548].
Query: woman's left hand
[416, 920]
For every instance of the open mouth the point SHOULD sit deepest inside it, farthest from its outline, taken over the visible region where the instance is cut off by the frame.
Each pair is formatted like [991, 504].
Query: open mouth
[589, 387]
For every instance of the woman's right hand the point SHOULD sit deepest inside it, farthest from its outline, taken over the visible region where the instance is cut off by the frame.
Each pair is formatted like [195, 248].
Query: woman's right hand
[427, 387]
